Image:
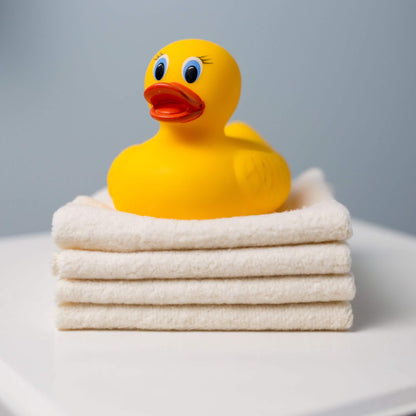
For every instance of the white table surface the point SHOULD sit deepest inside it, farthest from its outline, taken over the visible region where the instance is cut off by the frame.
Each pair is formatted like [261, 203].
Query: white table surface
[369, 370]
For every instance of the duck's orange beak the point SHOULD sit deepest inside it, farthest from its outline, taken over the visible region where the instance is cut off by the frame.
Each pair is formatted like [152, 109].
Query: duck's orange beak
[172, 101]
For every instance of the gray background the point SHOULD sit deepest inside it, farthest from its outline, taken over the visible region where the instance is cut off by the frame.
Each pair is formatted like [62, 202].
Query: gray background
[328, 83]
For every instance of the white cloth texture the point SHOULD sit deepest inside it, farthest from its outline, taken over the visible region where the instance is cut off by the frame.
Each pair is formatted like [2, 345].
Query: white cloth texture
[310, 215]
[267, 290]
[288, 270]
[330, 258]
[303, 316]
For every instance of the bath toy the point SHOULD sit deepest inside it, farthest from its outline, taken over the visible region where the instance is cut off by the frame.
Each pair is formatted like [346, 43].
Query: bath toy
[196, 166]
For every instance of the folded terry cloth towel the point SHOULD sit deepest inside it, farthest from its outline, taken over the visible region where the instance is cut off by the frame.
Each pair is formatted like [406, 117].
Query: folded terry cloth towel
[302, 316]
[330, 258]
[266, 290]
[310, 215]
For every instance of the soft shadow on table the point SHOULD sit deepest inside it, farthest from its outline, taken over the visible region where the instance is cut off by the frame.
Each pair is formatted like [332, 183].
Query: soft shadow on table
[400, 402]
[384, 287]
[4, 411]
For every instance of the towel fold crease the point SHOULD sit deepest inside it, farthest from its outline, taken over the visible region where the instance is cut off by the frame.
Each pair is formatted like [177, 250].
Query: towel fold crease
[335, 316]
[273, 290]
[308, 259]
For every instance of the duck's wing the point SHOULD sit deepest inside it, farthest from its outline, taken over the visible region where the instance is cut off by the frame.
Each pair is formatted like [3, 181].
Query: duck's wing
[263, 175]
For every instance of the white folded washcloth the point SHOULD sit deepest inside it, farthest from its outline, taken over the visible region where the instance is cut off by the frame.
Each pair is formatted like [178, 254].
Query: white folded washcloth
[266, 290]
[310, 215]
[302, 316]
[308, 259]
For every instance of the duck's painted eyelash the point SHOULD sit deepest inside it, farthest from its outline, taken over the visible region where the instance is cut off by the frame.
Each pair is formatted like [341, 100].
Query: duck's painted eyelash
[205, 59]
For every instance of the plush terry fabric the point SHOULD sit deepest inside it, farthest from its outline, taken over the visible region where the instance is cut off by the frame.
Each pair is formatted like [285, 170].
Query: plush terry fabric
[287, 270]
[310, 215]
[303, 316]
[331, 258]
[267, 290]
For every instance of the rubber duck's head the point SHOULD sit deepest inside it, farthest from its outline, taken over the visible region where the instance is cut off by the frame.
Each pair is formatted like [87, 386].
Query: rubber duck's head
[194, 82]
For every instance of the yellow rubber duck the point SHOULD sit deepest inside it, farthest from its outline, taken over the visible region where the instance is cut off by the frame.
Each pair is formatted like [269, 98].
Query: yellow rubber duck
[196, 166]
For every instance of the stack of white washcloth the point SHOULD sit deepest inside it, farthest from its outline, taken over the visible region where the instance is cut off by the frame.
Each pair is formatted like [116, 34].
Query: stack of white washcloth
[288, 270]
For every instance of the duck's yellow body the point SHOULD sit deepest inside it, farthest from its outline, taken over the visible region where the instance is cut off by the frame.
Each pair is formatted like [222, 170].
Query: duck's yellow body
[195, 167]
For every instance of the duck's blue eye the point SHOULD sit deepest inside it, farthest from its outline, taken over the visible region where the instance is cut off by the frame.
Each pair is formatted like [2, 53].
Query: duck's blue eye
[191, 69]
[161, 66]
